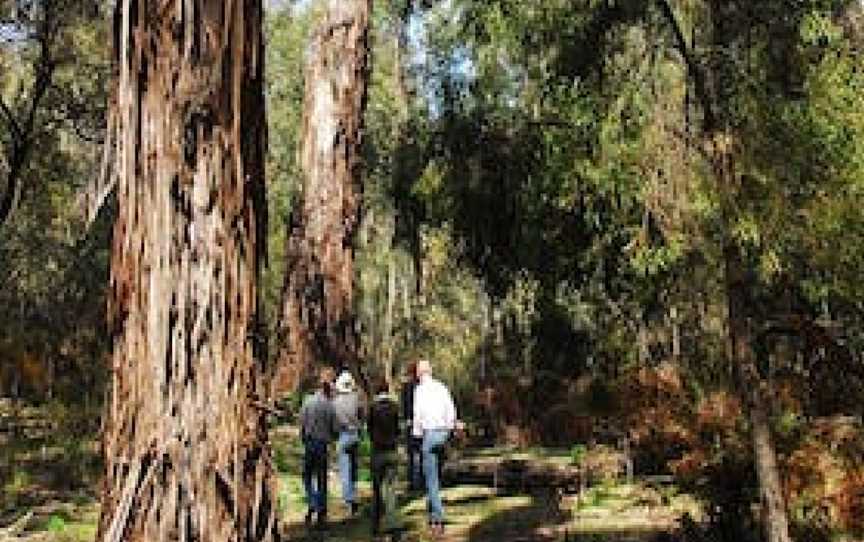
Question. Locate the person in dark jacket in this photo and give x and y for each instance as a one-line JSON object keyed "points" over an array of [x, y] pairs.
{"points": [[383, 428], [317, 429], [413, 444]]}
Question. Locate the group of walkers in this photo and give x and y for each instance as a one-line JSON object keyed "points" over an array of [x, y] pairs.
{"points": [[337, 412]]}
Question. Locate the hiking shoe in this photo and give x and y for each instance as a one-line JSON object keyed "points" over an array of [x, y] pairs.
{"points": [[309, 517], [436, 529]]}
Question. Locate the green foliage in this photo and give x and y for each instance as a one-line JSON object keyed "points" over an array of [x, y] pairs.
{"points": [[280, 459], [286, 32], [577, 453], [55, 524], [54, 273], [19, 481], [364, 447]]}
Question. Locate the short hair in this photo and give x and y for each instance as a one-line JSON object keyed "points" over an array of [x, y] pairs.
{"points": [[379, 385], [411, 369]]}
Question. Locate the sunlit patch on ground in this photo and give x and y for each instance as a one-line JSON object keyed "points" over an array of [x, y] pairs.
{"points": [[607, 512]]}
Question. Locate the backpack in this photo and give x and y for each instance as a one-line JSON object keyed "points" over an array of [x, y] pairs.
{"points": [[384, 423]]}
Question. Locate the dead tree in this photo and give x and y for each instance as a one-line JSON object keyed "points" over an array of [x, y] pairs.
{"points": [[185, 442]]}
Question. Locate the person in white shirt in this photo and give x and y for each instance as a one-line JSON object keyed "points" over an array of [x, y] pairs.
{"points": [[434, 418]]}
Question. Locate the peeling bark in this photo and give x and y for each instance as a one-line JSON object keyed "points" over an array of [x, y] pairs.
{"points": [[185, 444], [317, 316]]}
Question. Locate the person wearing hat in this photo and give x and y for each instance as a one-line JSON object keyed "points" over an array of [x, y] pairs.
{"points": [[349, 415], [317, 429]]}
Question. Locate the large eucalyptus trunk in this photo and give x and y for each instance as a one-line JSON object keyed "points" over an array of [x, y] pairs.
{"points": [[317, 315], [185, 441]]}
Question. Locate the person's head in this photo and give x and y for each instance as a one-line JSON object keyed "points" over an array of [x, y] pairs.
{"points": [[410, 371], [325, 380], [379, 386], [345, 382], [424, 368]]}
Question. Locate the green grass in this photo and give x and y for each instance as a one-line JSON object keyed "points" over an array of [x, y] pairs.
{"points": [[19, 481], [479, 514], [55, 523]]}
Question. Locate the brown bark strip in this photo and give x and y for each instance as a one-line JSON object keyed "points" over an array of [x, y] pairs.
{"points": [[188, 156], [317, 320]]}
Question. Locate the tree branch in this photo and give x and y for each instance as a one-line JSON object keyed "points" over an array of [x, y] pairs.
{"points": [[10, 119], [24, 140], [693, 66]]}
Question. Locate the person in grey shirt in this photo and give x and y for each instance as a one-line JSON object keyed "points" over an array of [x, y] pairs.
{"points": [[348, 410], [317, 429]]}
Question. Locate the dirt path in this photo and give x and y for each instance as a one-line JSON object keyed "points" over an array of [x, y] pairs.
{"points": [[607, 512], [610, 512]]}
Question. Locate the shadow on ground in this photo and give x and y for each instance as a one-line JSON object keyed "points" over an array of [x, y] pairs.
{"points": [[533, 521]]}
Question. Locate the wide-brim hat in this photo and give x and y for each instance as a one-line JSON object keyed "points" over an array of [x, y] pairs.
{"points": [[345, 382]]}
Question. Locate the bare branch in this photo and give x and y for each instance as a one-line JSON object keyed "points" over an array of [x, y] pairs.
{"points": [[92, 197], [10, 119], [23, 142], [693, 66]]}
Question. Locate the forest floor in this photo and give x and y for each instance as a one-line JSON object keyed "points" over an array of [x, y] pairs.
{"points": [[44, 497], [611, 511]]}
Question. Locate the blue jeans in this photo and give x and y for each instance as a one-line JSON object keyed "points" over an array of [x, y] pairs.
{"points": [[433, 442], [347, 450], [315, 474]]}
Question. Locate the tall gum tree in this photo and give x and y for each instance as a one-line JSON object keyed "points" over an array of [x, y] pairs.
{"points": [[185, 441], [712, 81], [317, 324]]}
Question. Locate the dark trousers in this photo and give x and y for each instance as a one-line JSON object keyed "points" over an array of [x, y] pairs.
{"points": [[315, 475], [384, 491], [413, 446]]}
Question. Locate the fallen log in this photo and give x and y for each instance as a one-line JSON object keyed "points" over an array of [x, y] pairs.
{"points": [[513, 474]]}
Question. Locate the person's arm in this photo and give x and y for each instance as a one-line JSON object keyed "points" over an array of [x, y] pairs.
{"points": [[362, 409], [395, 420], [406, 399], [450, 413], [417, 417], [407, 396], [333, 422], [370, 421], [304, 415]]}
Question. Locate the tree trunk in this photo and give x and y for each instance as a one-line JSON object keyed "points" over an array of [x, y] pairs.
{"points": [[185, 440], [710, 89], [676, 332], [388, 322], [775, 522], [739, 280], [317, 318]]}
